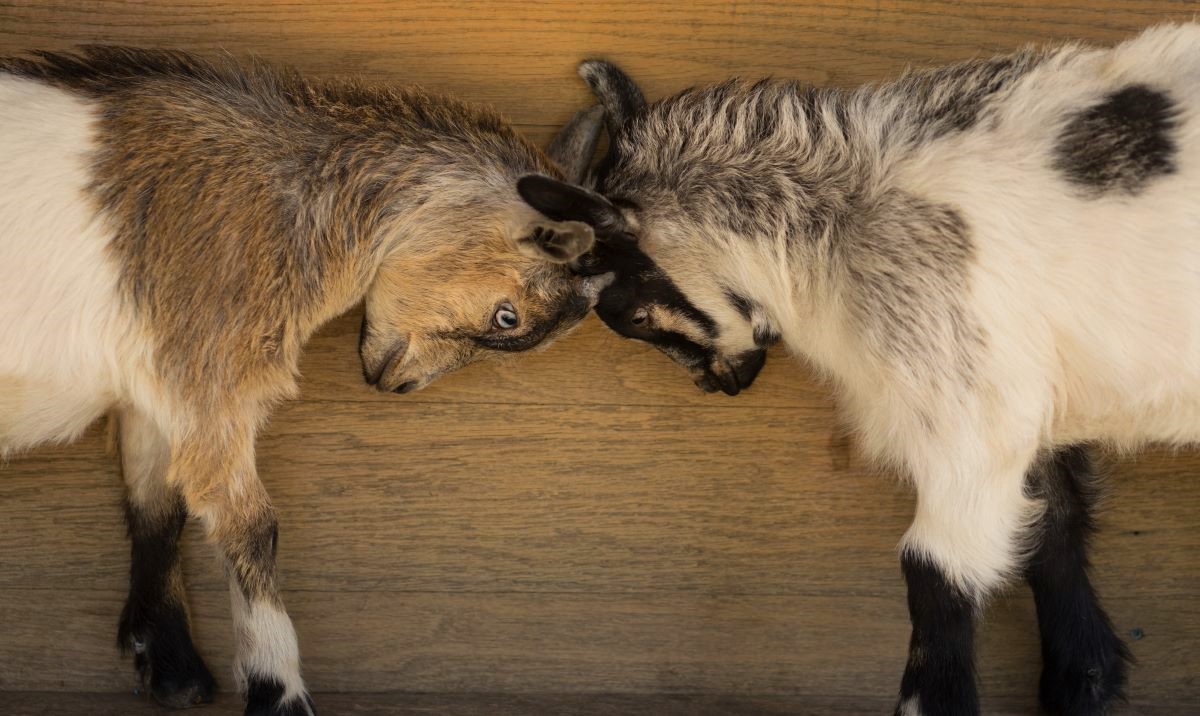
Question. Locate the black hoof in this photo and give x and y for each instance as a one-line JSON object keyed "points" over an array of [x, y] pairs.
{"points": [[182, 693], [1088, 682], [263, 698], [167, 662], [936, 705]]}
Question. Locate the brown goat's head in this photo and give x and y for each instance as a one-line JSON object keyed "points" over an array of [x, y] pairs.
{"points": [[483, 273]]}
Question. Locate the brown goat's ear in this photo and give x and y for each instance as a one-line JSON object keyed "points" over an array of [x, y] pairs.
{"points": [[556, 241], [575, 144], [566, 202]]}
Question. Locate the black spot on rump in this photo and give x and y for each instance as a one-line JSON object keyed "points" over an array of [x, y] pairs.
{"points": [[105, 68], [1119, 144]]}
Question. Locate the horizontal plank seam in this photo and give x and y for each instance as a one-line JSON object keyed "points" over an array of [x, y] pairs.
{"points": [[1184, 596], [806, 406]]}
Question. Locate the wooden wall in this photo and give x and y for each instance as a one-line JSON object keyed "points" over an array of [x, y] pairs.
{"points": [[582, 519]]}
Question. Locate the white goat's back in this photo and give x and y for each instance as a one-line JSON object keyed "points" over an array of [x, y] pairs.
{"points": [[1091, 301]]}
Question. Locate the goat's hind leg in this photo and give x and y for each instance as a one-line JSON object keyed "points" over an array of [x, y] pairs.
{"points": [[1083, 660], [154, 623]]}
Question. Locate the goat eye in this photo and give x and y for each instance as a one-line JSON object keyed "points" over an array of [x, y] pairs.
{"points": [[640, 316], [505, 317]]}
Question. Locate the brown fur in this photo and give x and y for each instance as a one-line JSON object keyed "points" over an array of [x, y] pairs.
{"points": [[248, 207], [252, 206]]}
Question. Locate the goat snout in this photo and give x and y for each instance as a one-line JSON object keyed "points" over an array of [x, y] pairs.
{"points": [[747, 366], [376, 373], [731, 375]]}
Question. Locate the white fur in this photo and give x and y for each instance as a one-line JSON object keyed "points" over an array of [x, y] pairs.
{"points": [[61, 320], [267, 645], [910, 706], [1089, 307]]}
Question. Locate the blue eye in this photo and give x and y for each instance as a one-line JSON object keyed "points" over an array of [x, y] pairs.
{"points": [[505, 317]]}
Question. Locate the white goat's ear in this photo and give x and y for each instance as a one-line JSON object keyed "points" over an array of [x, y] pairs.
{"points": [[620, 95], [556, 241], [575, 144]]}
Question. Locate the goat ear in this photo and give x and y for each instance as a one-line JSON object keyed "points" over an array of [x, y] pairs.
{"points": [[621, 98], [570, 203], [575, 144], [559, 242]]}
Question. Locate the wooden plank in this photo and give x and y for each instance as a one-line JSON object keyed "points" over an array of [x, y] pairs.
{"points": [[581, 519], [460, 497], [521, 58], [408, 704], [824, 647], [433, 497], [41, 703], [592, 366]]}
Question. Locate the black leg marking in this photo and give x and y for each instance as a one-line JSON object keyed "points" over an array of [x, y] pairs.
{"points": [[1083, 660], [263, 695], [253, 560], [154, 622], [940, 676]]}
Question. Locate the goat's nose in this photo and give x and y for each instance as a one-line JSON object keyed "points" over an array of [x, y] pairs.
{"points": [[725, 376], [747, 366], [729, 383], [405, 387]]}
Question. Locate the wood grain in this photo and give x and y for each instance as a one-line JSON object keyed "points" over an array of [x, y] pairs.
{"points": [[579, 520], [522, 58], [442, 496], [517, 643], [411, 704], [602, 369]]}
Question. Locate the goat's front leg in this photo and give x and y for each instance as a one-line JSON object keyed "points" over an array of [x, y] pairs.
{"points": [[154, 622], [1083, 660], [222, 487], [964, 541]]}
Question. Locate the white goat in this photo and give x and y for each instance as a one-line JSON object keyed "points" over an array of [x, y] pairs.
{"points": [[994, 262]]}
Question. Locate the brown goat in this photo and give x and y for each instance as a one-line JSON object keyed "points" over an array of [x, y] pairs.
{"points": [[172, 231]]}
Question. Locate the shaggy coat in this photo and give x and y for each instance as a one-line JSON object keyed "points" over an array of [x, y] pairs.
{"points": [[172, 231], [992, 262]]}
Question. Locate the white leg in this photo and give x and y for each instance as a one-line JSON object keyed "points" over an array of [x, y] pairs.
{"points": [[268, 656]]}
